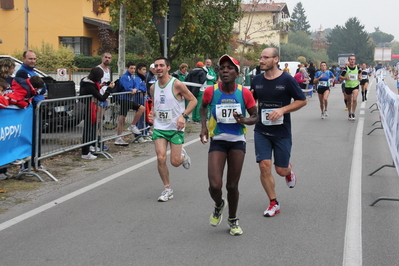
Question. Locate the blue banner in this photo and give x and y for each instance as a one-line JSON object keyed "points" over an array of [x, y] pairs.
{"points": [[16, 127]]}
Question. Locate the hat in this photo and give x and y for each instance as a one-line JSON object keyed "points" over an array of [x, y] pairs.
{"points": [[199, 64], [231, 59], [152, 65]]}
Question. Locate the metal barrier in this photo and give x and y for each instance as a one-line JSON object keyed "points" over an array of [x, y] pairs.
{"points": [[61, 125]]}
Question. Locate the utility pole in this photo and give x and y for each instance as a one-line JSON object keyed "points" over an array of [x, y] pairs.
{"points": [[26, 26], [122, 39]]}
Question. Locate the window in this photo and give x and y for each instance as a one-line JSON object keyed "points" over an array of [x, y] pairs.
{"points": [[81, 45], [7, 4]]}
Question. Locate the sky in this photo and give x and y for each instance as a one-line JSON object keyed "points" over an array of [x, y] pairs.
{"points": [[371, 14]]}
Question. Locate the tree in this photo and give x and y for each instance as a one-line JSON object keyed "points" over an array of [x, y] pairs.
{"points": [[204, 23], [299, 20], [350, 38], [380, 37], [300, 38]]}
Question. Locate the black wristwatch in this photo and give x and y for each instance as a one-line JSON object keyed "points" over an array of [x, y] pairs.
{"points": [[185, 116]]}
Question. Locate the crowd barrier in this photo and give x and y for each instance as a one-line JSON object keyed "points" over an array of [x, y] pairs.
{"points": [[59, 126], [388, 106]]}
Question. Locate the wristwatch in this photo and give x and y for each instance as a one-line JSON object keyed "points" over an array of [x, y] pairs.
{"points": [[185, 116]]}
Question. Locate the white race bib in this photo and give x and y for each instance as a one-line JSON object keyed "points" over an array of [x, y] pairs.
{"points": [[364, 76], [265, 118], [164, 116], [352, 77], [323, 83], [224, 113]]}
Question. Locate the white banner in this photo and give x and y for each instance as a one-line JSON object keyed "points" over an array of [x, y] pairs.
{"points": [[388, 105]]}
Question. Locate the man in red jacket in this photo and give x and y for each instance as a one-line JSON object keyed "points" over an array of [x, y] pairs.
{"points": [[24, 90]]}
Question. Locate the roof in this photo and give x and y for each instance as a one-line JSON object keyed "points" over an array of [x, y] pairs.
{"points": [[97, 22], [266, 7]]}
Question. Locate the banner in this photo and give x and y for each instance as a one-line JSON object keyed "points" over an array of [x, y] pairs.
{"points": [[16, 127], [388, 105]]}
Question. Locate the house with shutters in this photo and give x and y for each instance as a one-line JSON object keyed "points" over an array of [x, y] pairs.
{"points": [[75, 23], [262, 23]]}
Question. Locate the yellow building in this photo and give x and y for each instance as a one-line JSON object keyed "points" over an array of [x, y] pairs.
{"points": [[75, 23], [262, 23]]}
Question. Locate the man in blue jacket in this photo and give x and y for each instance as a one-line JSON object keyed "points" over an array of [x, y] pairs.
{"points": [[126, 102]]}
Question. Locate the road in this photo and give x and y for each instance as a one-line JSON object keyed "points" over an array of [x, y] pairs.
{"points": [[113, 217]]}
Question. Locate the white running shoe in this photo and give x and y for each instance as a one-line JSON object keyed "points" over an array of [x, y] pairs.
{"points": [[187, 160], [89, 156], [166, 195], [325, 113], [134, 129], [322, 116], [121, 142], [272, 210]]}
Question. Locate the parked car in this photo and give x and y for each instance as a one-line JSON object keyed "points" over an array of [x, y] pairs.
{"points": [[55, 115]]}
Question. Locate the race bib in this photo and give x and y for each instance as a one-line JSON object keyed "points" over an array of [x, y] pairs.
{"points": [[352, 77], [164, 116], [224, 113], [323, 83], [265, 118], [364, 76]]}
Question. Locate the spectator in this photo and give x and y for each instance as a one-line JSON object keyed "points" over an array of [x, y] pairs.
{"points": [[23, 90], [300, 77], [90, 85], [181, 73], [150, 79], [311, 71], [3, 99], [286, 69], [197, 75], [26, 71], [126, 103], [106, 60], [141, 97], [7, 67]]}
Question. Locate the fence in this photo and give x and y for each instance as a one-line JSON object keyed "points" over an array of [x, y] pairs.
{"points": [[64, 124]]}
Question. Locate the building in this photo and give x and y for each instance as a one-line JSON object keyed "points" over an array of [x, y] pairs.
{"points": [[75, 23], [262, 23]]}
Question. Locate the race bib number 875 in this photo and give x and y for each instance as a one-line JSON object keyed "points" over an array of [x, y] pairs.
{"points": [[224, 113]]}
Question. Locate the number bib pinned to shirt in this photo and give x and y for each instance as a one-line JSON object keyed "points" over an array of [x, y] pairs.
{"points": [[352, 77], [224, 113], [265, 118], [164, 116]]}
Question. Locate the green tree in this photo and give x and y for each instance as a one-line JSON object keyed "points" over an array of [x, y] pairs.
{"points": [[299, 20], [300, 38], [350, 38], [380, 37], [204, 23]]}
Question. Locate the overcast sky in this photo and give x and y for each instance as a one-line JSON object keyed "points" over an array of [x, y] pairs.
{"points": [[371, 14]]}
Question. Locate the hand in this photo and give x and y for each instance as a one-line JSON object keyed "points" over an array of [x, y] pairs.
{"points": [[239, 118], [181, 122], [151, 117]]}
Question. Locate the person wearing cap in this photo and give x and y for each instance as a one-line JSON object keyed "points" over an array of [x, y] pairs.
{"points": [[197, 75], [274, 91], [228, 103], [150, 78], [169, 114]]}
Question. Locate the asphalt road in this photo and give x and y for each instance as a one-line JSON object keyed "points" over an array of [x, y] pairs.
{"points": [[113, 217]]}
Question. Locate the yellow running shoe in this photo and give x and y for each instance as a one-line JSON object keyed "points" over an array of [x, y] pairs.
{"points": [[235, 229], [216, 216]]}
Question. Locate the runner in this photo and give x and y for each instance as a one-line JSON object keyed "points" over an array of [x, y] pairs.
{"points": [[169, 116], [364, 82], [228, 103], [274, 91], [351, 74], [323, 78]]}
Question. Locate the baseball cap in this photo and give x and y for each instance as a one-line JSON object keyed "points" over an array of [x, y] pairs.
{"points": [[200, 64], [152, 65], [231, 59]]}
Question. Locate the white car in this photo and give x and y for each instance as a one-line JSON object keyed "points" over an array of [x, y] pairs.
{"points": [[18, 64]]}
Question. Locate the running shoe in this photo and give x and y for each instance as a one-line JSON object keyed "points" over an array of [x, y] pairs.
{"points": [[105, 148], [3, 177], [147, 138], [325, 113], [350, 117], [322, 116], [272, 210], [140, 140], [89, 156], [216, 216], [290, 179], [235, 229], [187, 160], [166, 195], [134, 129], [353, 117], [121, 142]]}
